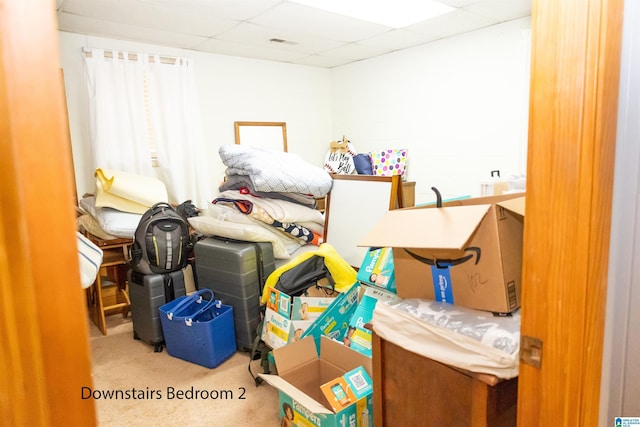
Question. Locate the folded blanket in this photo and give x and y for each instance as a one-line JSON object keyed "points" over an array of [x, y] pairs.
{"points": [[272, 171], [281, 210], [246, 207], [240, 182], [227, 222], [128, 192]]}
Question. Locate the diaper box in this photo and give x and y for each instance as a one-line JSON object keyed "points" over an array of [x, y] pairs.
{"points": [[332, 388], [377, 269]]}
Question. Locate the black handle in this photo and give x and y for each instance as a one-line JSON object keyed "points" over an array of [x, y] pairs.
{"points": [[438, 197]]}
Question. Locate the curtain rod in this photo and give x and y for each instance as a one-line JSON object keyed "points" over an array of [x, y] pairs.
{"points": [[132, 56]]}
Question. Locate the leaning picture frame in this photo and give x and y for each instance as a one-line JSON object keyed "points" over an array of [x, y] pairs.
{"points": [[267, 135], [355, 204]]}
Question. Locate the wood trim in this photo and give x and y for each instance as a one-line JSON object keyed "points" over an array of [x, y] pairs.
{"points": [[480, 393], [283, 125], [44, 334], [572, 125], [377, 356]]}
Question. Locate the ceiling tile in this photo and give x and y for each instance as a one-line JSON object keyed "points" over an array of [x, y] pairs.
{"points": [[397, 39], [501, 10], [258, 35], [306, 20], [97, 27], [322, 61], [151, 15], [230, 9], [355, 51], [456, 22], [244, 28], [224, 47], [461, 3]]}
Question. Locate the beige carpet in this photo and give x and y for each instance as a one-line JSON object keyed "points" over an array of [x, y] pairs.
{"points": [[122, 363]]}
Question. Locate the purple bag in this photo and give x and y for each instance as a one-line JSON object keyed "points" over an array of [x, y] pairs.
{"points": [[363, 164]]}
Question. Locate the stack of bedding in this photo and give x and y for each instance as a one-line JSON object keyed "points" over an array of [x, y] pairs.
{"points": [[267, 196], [107, 223], [119, 202]]}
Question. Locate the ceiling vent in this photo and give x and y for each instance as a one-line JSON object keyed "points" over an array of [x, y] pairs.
{"points": [[282, 41]]}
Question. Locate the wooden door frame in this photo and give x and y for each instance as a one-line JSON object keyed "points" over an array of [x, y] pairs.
{"points": [[575, 69], [572, 129], [44, 348]]}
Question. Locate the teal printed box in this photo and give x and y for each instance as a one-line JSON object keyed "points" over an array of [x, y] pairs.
{"points": [[377, 269], [334, 321]]}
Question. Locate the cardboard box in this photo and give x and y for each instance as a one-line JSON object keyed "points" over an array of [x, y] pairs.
{"points": [[334, 321], [302, 375], [358, 335], [309, 308], [279, 302], [276, 329], [468, 252], [376, 269]]}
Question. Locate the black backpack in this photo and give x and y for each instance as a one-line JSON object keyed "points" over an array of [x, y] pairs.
{"points": [[161, 241]]}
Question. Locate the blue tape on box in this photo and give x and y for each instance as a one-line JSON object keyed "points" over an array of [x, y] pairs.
{"points": [[442, 284]]}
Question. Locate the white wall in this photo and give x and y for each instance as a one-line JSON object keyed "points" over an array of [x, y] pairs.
{"points": [[230, 89], [620, 385], [460, 106]]}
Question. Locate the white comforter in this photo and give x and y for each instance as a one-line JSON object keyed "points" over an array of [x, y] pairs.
{"points": [[271, 172]]}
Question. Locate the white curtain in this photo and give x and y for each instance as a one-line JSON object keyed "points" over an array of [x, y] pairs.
{"points": [[126, 118], [177, 127], [117, 118]]}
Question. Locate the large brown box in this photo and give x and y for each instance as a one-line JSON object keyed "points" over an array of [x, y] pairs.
{"points": [[412, 390], [469, 254]]}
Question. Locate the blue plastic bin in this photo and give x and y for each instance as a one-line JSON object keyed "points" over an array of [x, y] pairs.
{"points": [[198, 330]]}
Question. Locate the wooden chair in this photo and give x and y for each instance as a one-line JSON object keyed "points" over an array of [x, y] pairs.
{"points": [[109, 294]]}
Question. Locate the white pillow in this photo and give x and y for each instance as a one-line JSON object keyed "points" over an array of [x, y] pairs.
{"points": [[210, 226], [92, 226], [112, 221]]}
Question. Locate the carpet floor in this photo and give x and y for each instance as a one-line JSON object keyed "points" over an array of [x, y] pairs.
{"points": [[134, 386]]}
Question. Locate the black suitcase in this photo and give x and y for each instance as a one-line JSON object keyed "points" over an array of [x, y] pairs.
{"points": [[147, 293], [236, 271]]}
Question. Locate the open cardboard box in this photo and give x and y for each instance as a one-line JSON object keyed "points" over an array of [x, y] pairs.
{"points": [[301, 375], [468, 252]]}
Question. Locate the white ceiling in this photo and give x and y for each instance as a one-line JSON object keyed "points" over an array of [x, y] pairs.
{"points": [[246, 27]]}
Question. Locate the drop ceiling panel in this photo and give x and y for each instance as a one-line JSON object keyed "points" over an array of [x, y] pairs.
{"points": [[501, 10], [322, 61], [457, 22], [306, 20], [149, 15], [244, 28], [258, 35], [225, 47], [228, 9], [97, 27], [356, 52], [398, 39]]}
